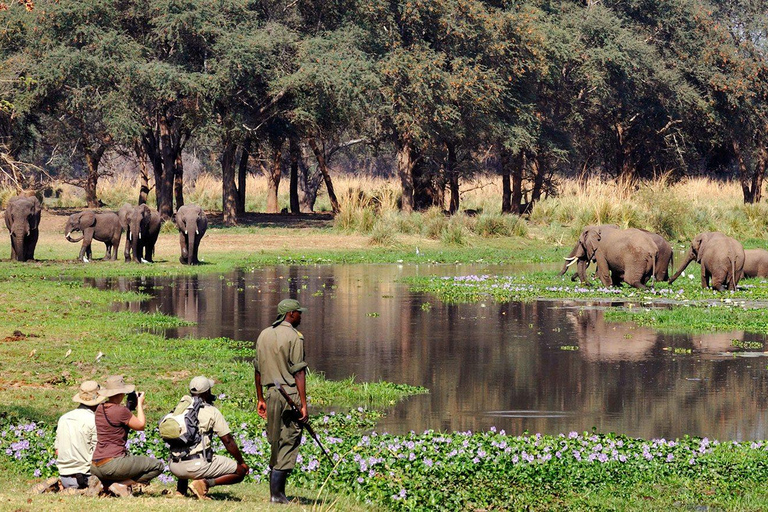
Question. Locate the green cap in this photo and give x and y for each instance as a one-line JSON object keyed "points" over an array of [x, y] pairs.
{"points": [[285, 307]]}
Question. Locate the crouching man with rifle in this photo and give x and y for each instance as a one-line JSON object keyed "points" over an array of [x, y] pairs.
{"points": [[280, 359]]}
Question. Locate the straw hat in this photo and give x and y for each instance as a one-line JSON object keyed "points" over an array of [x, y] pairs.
{"points": [[115, 385], [89, 393]]}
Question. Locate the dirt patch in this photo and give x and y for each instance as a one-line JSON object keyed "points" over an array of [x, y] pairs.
{"points": [[18, 336]]}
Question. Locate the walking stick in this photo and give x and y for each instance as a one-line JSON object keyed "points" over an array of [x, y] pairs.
{"points": [[305, 424]]}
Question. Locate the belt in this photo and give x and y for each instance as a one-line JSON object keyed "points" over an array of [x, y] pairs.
{"points": [[270, 386], [101, 462], [187, 457]]}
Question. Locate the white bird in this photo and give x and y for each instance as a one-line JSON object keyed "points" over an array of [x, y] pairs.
{"points": [[99, 356], [67, 354]]}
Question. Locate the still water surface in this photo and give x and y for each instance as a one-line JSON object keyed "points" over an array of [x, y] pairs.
{"points": [[544, 366]]}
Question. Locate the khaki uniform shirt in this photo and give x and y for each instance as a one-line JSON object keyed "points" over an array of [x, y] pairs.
{"points": [[279, 354], [75, 441], [211, 421]]}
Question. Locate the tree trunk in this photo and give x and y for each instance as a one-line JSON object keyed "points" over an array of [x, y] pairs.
{"points": [[141, 156], [453, 178], [151, 144], [92, 159], [295, 152], [274, 173], [178, 181], [322, 165], [625, 164], [506, 187], [518, 169], [242, 175], [229, 192], [405, 172], [538, 166], [164, 188]]}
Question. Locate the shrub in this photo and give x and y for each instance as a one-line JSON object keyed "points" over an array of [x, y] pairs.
{"points": [[492, 226]]}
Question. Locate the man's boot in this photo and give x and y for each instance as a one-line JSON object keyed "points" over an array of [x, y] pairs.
{"points": [[277, 486]]}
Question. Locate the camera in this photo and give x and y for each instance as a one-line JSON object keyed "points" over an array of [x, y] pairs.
{"points": [[132, 400]]}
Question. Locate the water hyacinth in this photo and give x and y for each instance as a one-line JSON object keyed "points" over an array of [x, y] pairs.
{"points": [[419, 471]]}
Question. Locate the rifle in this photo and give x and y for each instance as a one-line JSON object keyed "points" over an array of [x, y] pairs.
{"points": [[305, 424]]}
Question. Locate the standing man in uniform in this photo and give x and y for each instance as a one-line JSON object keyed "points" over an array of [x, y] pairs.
{"points": [[280, 358]]}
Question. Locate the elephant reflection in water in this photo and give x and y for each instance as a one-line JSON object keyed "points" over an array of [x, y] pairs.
{"points": [[604, 341], [186, 299]]}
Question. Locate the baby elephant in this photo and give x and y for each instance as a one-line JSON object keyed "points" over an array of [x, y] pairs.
{"points": [[755, 263], [104, 227], [192, 223]]}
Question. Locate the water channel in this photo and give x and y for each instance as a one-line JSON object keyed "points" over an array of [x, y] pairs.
{"points": [[543, 366]]}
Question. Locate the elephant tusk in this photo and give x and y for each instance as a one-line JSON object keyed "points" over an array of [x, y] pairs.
{"points": [[566, 258], [197, 232], [571, 262], [139, 235], [186, 232]]}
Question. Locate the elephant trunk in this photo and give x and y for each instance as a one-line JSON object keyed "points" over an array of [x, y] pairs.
{"points": [[74, 240], [576, 253], [683, 265], [191, 248], [17, 244]]}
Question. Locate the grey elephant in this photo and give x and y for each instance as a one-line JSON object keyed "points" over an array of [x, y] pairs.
{"points": [[22, 218], [578, 254], [104, 227], [755, 263], [143, 229], [666, 256], [721, 259], [627, 255], [192, 223]]}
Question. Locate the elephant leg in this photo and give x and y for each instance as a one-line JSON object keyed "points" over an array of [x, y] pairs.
{"points": [[13, 251], [704, 277], [108, 255], [604, 271], [183, 245], [197, 247], [30, 244]]}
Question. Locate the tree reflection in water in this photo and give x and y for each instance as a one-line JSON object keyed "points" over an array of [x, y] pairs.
{"points": [[543, 366]]}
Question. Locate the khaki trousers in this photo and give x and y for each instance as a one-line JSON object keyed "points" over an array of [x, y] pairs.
{"points": [[129, 467], [283, 431]]}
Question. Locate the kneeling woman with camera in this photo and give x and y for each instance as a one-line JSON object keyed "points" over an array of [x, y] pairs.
{"points": [[117, 469]]}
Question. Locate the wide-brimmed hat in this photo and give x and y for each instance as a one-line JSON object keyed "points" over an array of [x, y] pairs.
{"points": [[89, 393], [286, 306], [115, 385], [200, 384]]}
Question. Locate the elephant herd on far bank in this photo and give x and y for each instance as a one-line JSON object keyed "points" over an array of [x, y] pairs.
{"points": [[140, 223], [634, 256]]}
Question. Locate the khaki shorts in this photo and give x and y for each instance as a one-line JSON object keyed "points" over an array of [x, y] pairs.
{"points": [[197, 469]]}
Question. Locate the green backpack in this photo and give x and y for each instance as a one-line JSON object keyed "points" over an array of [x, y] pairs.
{"points": [[180, 428]]}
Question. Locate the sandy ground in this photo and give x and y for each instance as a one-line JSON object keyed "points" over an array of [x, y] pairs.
{"points": [[263, 232]]}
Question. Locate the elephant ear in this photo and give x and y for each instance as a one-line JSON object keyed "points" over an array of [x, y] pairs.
{"points": [[87, 219]]}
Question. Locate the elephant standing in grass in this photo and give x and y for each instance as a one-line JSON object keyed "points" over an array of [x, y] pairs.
{"points": [[578, 254], [22, 218], [143, 229], [755, 263], [627, 255], [192, 223], [666, 256], [104, 227], [721, 259]]}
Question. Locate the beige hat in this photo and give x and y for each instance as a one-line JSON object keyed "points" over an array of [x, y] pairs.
{"points": [[115, 385], [89, 393], [200, 384]]}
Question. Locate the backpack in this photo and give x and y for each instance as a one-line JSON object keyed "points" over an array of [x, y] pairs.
{"points": [[180, 428]]}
